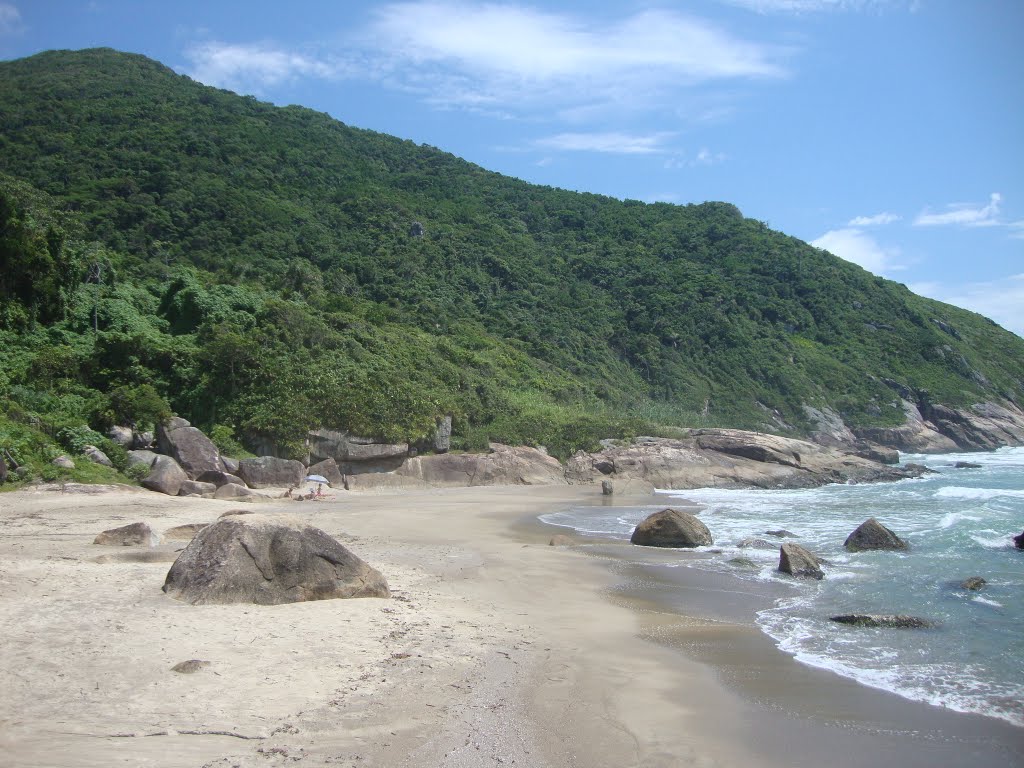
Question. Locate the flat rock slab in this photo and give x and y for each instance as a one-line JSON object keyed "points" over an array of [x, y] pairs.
{"points": [[268, 560], [191, 666], [131, 535], [184, 532]]}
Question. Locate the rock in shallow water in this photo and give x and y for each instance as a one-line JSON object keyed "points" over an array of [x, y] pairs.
{"points": [[893, 621], [871, 534], [671, 528]]}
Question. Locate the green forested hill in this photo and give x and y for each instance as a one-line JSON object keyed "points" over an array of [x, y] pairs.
{"points": [[264, 270]]}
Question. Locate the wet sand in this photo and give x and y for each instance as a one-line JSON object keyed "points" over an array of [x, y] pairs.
{"points": [[495, 649]]}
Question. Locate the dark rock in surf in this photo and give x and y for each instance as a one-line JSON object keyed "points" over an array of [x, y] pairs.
{"points": [[974, 583], [1019, 540], [889, 621], [967, 465], [871, 534], [671, 528], [800, 562]]}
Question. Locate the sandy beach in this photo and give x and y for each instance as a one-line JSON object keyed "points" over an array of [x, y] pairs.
{"points": [[494, 649]]}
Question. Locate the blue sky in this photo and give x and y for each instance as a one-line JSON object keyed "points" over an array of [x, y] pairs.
{"points": [[890, 132]]}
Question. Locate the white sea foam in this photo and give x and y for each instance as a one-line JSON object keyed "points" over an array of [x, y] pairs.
{"points": [[977, 494], [952, 518], [986, 601]]}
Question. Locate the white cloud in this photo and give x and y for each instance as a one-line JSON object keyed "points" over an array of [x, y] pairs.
{"points": [[1001, 300], [609, 142], [854, 245], [813, 6], [963, 214], [251, 68], [10, 19], [501, 53], [873, 221]]}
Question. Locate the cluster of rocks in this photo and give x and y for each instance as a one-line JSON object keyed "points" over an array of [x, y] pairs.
{"points": [[185, 462], [677, 528], [252, 558]]}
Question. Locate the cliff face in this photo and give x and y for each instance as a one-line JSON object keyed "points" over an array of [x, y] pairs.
{"points": [[929, 428]]}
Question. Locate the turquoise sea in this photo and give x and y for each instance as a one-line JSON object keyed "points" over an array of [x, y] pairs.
{"points": [[959, 523]]}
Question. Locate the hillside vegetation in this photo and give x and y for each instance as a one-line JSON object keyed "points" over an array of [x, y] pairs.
{"points": [[264, 270]]}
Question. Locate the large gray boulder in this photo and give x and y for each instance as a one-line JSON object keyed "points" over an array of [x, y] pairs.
{"points": [[141, 456], [800, 562], [328, 468], [271, 472], [671, 528], [96, 456], [123, 436], [268, 560], [194, 451], [871, 534], [348, 449], [165, 476]]}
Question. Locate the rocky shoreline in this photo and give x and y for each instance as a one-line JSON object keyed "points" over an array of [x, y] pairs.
{"points": [[186, 462]]}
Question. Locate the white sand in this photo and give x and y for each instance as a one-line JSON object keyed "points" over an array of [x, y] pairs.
{"points": [[495, 649]]}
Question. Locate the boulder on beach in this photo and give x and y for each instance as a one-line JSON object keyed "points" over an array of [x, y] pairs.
{"points": [[232, 492], [268, 560], [671, 528], [132, 535], [328, 468], [96, 456], [800, 562], [196, 488], [194, 451], [271, 472], [165, 476], [871, 534], [891, 621]]}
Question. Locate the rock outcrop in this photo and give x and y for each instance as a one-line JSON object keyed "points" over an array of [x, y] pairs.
{"points": [[218, 478], [727, 458], [187, 445], [354, 453], [800, 562], [268, 560], [915, 435], [131, 535], [671, 528], [871, 534], [502, 465], [233, 492], [271, 472]]}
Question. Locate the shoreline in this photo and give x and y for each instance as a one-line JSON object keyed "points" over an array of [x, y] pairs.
{"points": [[494, 648]]}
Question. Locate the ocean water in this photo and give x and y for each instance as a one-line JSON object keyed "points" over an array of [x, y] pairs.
{"points": [[959, 523]]}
